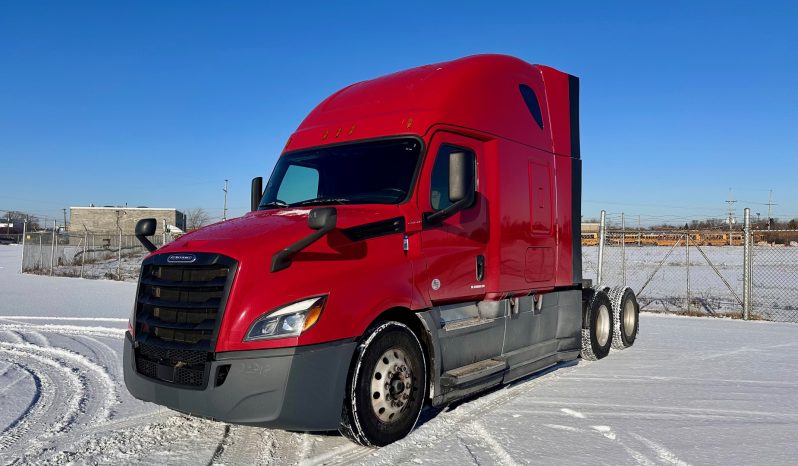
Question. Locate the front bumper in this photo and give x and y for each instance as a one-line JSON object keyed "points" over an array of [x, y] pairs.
{"points": [[298, 388]]}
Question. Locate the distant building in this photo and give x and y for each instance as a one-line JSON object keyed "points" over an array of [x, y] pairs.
{"points": [[590, 227], [109, 220]]}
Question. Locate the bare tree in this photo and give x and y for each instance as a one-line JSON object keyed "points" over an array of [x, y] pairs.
{"points": [[17, 218], [196, 218]]}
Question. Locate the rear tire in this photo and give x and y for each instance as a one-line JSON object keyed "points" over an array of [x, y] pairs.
{"points": [[386, 388], [626, 317], [598, 332]]}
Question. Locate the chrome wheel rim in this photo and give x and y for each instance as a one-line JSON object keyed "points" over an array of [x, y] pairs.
{"points": [[629, 318], [391, 384], [603, 325]]}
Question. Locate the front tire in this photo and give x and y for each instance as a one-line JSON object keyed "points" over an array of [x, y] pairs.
{"points": [[387, 386], [598, 331]]}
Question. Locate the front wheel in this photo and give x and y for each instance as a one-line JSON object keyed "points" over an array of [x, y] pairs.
{"points": [[387, 386]]}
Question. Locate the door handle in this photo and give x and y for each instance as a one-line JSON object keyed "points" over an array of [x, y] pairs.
{"points": [[480, 268]]}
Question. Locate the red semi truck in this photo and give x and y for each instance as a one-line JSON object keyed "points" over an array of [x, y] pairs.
{"points": [[417, 242]]}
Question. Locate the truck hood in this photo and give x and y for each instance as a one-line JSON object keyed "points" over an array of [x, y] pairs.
{"points": [[266, 232]]}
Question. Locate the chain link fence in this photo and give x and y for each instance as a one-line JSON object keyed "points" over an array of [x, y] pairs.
{"points": [[701, 272], [774, 274], [105, 255]]}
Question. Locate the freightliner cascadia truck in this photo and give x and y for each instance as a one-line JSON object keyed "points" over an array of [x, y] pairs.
{"points": [[418, 242]]}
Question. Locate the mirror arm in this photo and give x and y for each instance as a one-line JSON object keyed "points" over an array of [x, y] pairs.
{"points": [[146, 243], [433, 218], [282, 259]]}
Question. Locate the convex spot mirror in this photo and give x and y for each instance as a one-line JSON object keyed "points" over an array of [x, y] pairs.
{"points": [[146, 227]]}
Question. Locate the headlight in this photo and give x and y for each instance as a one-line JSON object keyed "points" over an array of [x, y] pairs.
{"points": [[287, 321]]}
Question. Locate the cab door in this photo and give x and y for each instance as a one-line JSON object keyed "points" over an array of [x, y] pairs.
{"points": [[454, 248]]}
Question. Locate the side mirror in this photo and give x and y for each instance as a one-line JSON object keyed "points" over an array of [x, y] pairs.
{"points": [[257, 193], [461, 188], [458, 176], [323, 218], [144, 228]]}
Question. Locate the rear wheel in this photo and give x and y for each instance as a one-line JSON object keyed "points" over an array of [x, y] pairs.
{"points": [[626, 313], [387, 386], [598, 331]]}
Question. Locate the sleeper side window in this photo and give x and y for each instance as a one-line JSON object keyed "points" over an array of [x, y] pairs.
{"points": [[439, 190], [531, 101]]}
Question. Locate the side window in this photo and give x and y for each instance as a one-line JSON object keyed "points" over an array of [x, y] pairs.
{"points": [[299, 184], [531, 101], [439, 190]]}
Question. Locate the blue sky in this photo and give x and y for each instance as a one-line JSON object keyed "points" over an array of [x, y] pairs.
{"points": [[156, 103]]}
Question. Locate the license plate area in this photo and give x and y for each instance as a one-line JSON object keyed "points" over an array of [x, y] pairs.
{"points": [[165, 373]]}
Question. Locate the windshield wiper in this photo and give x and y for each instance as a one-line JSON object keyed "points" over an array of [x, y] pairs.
{"points": [[272, 205], [321, 201]]}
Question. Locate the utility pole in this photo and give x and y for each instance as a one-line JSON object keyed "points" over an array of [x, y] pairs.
{"points": [[770, 204], [731, 218], [65, 224], [224, 215], [8, 223], [639, 230]]}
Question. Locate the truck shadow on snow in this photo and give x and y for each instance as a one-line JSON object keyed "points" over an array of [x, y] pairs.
{"points": [[493, 396]]}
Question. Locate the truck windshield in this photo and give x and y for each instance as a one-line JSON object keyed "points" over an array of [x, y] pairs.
{"points": [[376, 172]]}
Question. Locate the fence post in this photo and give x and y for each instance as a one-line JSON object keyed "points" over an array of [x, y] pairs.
{"points": [[24, 234], [83, 256], [747, 264], [52, 250], [602, 233], [119, 257], [623, 249], [41, 253], [687, 261]]}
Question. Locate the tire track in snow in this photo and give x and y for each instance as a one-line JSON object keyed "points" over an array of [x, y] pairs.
{"points": [[459, 415], [65, 329], [34, 338], [479, 432], [73, 319], [131, 443], [663, 453], [11, 337], [84, 367], [83, 388], [246, 445], [13, 431], [606, 432], [11, 385], [54, 410]]}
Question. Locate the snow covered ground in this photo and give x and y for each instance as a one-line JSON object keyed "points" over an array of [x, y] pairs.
{"points": [[691, 391]]}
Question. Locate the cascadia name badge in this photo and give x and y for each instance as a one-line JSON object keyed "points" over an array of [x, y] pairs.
{"points": [[181, 258]]}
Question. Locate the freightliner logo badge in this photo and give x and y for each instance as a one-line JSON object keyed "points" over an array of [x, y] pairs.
{"points": [[181, 258]]}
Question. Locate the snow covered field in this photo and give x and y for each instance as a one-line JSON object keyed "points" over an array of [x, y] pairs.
{"points": [[691, 391]]}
